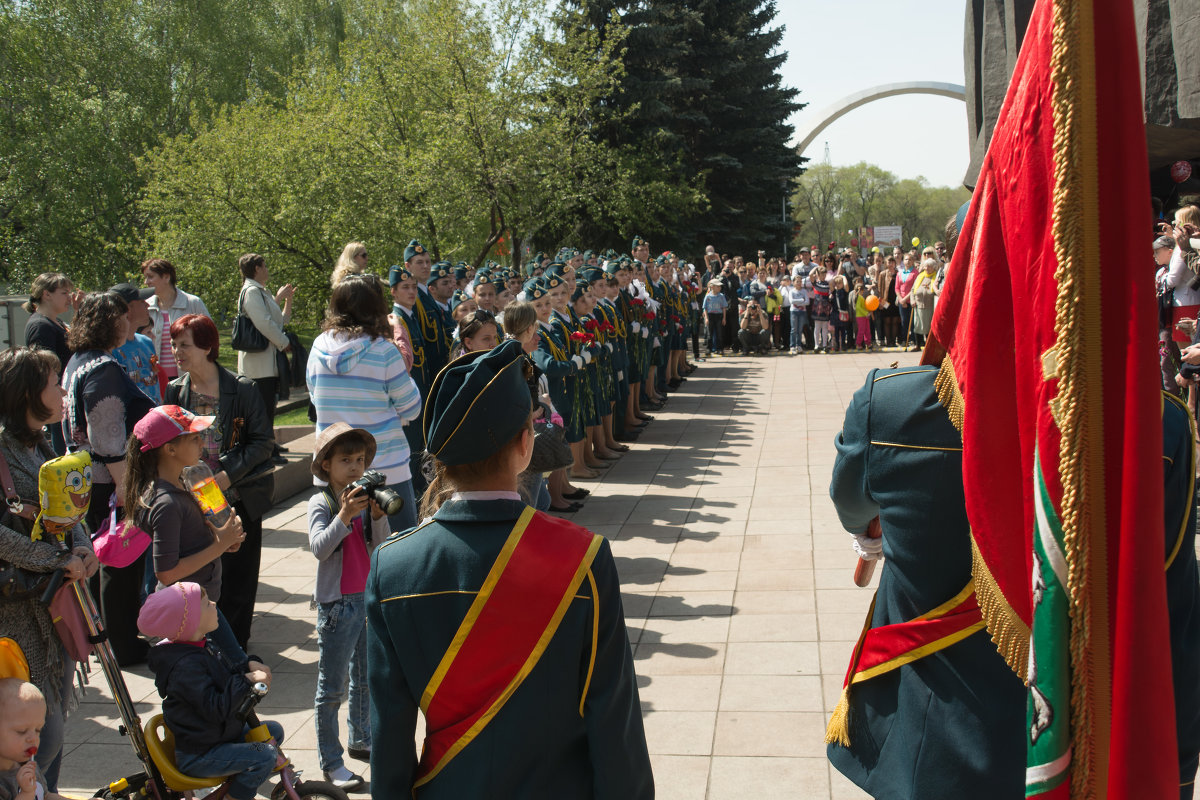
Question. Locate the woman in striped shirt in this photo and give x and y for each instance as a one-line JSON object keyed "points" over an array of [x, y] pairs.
{"points": [[357, 375]]}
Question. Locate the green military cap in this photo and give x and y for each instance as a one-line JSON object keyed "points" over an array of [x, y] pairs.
{"points": [[580, 289], [615, 265], [553, 281], [610, 253], [398, 273], [460, 273], [458, 297], [477, 404], [591, 275], [414, 248], [637, 242], [535, 288], [658, 262], [487, 279], [588, 254], [441, 269], [493, 264]]}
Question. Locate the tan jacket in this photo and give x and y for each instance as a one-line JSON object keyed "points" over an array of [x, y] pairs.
{"points": [[264, 312]]}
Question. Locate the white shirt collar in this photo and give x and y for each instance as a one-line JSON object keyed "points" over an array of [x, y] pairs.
{"points": [[485, 496]]}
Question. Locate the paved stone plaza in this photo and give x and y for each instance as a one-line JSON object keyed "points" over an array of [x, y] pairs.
{"points": [[737, 590]]}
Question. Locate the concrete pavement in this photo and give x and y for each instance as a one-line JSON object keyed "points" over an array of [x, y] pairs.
{"points": [[736, 579]]}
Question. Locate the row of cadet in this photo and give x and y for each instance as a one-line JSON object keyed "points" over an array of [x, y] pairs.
{"points": [[608, 340]]}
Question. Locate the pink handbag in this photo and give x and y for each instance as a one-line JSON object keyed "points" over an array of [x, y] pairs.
{"points": [[119, 544]]}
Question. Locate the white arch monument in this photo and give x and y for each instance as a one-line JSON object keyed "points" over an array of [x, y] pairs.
{"points": [[829, 115]]}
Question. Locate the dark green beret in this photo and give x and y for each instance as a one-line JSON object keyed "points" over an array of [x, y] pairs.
{"points": [[398, 273], [458, 297], [477, 404], [414, 248], [580, 289], [636, 243], [553, 281], [658, 262], [441, 269], [591, 275], [588, 255], [535, 288]]}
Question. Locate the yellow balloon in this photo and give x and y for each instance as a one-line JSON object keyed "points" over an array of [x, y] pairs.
{"points": [[874, 249], [916, 242]]}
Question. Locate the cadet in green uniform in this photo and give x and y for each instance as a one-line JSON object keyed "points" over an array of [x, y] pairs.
{"points": [[501, 624], [404, 299], [1183, 581], [435, 330], [950, 724]]}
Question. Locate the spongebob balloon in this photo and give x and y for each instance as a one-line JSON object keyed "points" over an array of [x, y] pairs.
{"points": [[65, 489]]}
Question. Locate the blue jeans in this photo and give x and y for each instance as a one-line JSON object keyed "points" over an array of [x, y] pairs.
{"points": [[250, 763], [406, 517], [799, 320], [342, 653]]}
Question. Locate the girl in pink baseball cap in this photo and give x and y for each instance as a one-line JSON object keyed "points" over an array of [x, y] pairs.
{"points": [[186, 546]]}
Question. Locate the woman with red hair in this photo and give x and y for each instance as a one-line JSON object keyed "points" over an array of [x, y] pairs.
{"points": [[237, 447]]}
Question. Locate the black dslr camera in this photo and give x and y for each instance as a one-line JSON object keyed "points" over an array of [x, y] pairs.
{"points": [[375, 485]]}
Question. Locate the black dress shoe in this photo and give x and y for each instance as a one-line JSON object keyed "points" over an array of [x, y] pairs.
{"points": [[578, 494], [359, 753]]}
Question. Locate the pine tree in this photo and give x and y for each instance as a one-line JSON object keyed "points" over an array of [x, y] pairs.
{"points": [[701, 105]]}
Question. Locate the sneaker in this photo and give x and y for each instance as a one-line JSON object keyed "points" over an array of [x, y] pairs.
{"points": [[351, 784]]}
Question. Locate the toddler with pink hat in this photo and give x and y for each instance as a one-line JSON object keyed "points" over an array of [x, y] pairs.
{"points": [[202, 687]]}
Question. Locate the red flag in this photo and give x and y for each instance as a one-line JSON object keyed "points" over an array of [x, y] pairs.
{"points": [[1051, 373]]}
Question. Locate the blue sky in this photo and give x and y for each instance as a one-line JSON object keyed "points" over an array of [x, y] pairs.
{"points": [[839, 48]]}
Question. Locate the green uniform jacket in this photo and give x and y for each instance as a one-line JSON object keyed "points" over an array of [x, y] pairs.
{"points": [[540, 744], [437, 331], [952, 724], [1183, 580]]}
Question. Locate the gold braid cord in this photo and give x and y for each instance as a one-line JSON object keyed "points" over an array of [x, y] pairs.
{"points": [[1080, 387], [1009, 632]]}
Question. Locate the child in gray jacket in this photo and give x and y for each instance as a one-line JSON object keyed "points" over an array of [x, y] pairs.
{"points": [[344, 526]]}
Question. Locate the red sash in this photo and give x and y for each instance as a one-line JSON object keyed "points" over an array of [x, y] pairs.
{"points": [[514, 616], [889, 647]]}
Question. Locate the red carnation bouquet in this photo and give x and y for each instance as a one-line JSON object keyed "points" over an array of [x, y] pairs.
{"points": [[586, 338], [592, 325]]}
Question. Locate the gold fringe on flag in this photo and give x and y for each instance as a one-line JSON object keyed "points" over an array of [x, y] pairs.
{"points": [[1075, 221]]}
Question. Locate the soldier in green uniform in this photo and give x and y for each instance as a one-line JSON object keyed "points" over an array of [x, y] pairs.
{"points": [[501, 624], [433, 326], [951, 723], [1183, 581], [403, 318]]}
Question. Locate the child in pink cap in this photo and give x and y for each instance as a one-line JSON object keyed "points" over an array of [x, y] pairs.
{"points": [[186, 546], [202, 687]]}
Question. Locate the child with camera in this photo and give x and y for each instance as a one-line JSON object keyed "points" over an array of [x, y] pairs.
{"points": [[344, 524]]}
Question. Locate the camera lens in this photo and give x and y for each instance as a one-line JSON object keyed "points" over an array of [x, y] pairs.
{"points": [[387, 499]]}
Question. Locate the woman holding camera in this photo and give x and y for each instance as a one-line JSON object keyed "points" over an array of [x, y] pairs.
{"points": [[237, 447], [357, 375]]}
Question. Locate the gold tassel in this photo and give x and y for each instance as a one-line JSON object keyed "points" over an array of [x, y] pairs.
{"points": [[950, 396], [838, 731]]}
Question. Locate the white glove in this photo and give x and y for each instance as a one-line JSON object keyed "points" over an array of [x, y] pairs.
{"points": [[620, 375], [587, 357], [579, 362], [868, 549], [657, 342], [645, 333], [637, 327], [609, 345]]}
